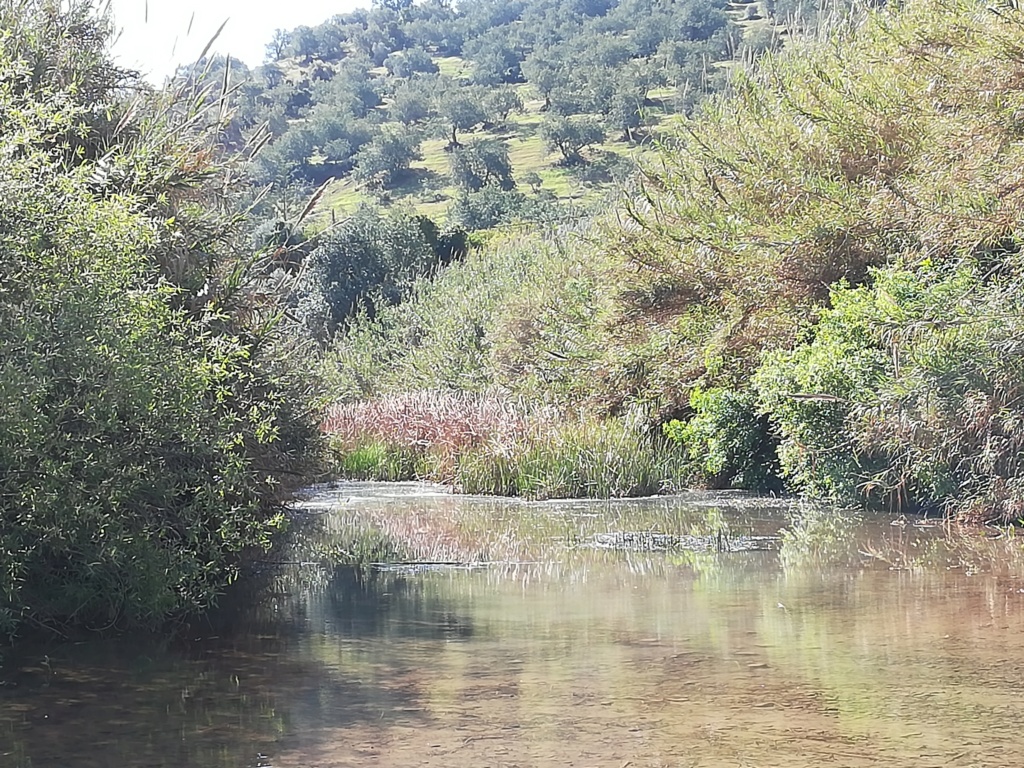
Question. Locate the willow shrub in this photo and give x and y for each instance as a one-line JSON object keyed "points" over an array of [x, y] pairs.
{"points": [[895, 135], [151, 420]]}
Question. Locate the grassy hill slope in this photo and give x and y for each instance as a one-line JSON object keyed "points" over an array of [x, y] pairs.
{"points": [[430, 191]]}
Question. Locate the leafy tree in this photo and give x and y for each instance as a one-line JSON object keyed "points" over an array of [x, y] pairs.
{"points": [[270, 74], [460, 109], [370, 260], [604, 51], [478, 16], [408, 62], [481, 162], [410, 103], [500, 102], [312, 151], [304, 43], [287, 159], [495, 60], [487, 207], [381, 162], [439, 33], [626, 112], [151, 416], [353, 88], [544, 73], [570, 136], [381, 36], [279, 42], [329, 42]]}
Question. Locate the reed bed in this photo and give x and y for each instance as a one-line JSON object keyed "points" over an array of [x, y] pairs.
{"points": [[454, 420], [485, 445]]}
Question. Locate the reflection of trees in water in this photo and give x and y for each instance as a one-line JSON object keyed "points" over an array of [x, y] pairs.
{"points": [[216, 703], [385, 605], [511, 532], [310, 647], [820, 537], [257, 680]]}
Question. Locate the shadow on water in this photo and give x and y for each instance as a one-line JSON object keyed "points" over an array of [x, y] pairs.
{"points": [[269, 671]]}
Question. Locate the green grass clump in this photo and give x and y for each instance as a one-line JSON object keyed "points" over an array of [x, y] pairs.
{"points": [[585, 459], [376, 460]]}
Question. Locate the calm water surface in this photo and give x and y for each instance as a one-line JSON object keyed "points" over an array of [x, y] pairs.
{"points": [[699, 630]]}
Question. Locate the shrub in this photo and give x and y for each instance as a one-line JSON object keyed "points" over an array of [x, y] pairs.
{"points": [[488, 207], [152, 416], [370, 261], [728, 441], [905, 394]]}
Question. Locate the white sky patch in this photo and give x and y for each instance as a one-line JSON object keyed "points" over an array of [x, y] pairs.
{"points": [[157, 35]]}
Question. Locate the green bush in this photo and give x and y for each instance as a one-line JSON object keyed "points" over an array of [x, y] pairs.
{"points": [[152, 415], [728, 442], [905, 395], [368, 262]]}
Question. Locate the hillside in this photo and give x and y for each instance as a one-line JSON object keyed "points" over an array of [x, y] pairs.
{"points": [[481, 113]]}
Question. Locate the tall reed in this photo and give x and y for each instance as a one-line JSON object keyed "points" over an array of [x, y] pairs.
{"points": [[482, 444]]}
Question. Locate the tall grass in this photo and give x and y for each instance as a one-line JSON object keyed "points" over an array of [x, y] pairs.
{"points": [[483, 444]]}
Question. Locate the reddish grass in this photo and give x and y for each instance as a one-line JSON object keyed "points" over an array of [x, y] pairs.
{"points": [[451, 422]]}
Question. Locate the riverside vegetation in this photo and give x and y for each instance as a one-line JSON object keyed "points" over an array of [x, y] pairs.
{"points": [[155, 403], [815, 286], [812, 285]]}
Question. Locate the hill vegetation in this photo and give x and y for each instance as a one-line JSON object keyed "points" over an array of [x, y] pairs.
{"points": [[459, 119], [484, 111]]}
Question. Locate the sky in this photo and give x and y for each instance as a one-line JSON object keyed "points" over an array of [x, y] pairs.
{"points": [[155, 34]]}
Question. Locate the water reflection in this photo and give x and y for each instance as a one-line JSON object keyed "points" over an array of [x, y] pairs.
{"points": [[852, 641]]}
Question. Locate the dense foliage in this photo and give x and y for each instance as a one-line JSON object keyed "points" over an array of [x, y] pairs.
{"points": [[152, 412], [821, 268], [369, 262]]}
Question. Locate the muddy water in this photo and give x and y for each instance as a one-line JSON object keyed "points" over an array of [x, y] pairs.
{"points": [[693, 631]]}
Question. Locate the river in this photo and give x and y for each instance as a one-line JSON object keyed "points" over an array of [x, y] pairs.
{"points": [[697, 630]]}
